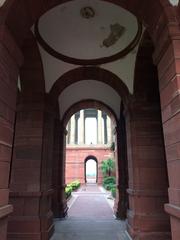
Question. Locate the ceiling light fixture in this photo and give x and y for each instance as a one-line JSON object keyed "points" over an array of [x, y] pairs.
{"points": [[87, 12]]}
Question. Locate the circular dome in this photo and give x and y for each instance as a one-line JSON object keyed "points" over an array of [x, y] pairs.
{"points": [[87, 32]]}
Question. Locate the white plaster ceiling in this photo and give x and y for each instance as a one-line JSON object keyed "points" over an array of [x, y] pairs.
{"points": [[123, 68], [83, 90], [174, 2], [67, 32], [53, 68], [2, 2]]}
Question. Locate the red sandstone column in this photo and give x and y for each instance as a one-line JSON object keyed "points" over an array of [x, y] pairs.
{"points": [[10, 62], [147, 173], [59, 201], [169, 84], [62, 200], [31, 179], [121, 201]]}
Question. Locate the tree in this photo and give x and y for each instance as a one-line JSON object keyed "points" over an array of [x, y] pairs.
{"points": [[108, 167]]}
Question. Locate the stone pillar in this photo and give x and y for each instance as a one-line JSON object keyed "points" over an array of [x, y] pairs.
{"points": [[105, 130], [99, 127], [109, 130], [81, 128], [169, 84], [76, 129], [59, 201], [62, 199], [31, 174], [147, 173], [121, 201], [72, 130], [10, 61], [68, 128]]}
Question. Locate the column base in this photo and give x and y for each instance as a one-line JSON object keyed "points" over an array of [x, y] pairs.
{"points": [[148, 227], [133, 235], [174, 212], [59, 203], [34, 228], [4, 213], [32, 219], [120, 206], [61, 211]]}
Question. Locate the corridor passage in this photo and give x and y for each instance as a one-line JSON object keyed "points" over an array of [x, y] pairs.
{"points": [[90, 217]]}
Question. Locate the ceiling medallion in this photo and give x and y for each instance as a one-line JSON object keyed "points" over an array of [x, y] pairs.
{"points": [[87, 12]]}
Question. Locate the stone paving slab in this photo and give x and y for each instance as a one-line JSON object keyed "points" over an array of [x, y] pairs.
{"points": [[94, 206], [90, 217], [90, 188], [90, 230]]}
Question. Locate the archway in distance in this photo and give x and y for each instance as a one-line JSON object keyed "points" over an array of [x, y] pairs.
{"points": [[91, 169]]}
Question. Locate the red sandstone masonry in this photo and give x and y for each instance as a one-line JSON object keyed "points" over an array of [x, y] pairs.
{"points": [[170, 103], [10, 60], [30, 179], [22, 15], [75, 160], [59, 204], [146, 217]]}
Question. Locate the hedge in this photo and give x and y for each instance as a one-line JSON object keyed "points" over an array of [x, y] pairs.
{"points": [[71, 187], [68, 191], [75, 185], [113, 192], [109, 182]]}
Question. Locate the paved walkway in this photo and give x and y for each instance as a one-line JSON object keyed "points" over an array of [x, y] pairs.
{"points": [[90, 217]]}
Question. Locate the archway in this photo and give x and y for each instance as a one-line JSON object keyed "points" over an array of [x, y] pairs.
{"points": [[91, 169], [146, 151], [93, 138], [164, 21]]}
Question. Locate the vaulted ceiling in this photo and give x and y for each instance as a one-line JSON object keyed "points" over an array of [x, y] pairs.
{"points": [[88, 33]]}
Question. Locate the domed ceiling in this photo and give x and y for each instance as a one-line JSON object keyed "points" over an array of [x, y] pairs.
{"points": [[88, 33]]}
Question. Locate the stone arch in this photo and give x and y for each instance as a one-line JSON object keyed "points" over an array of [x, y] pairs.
{"points": [[120, 207], [88, 103], [89, 73], [18, 16]]}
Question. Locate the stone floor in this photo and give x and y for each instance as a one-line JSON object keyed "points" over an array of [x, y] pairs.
{"points": [[90, 217]]}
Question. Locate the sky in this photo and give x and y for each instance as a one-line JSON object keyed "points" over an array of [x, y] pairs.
{"points": [[91, 168]]}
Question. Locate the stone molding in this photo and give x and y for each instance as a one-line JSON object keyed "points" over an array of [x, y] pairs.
{"points": [[172, 210], [147, 193], [5, 210], [32, 194]]}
